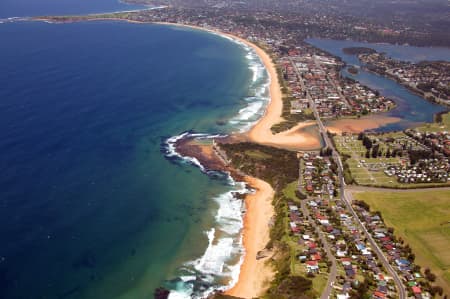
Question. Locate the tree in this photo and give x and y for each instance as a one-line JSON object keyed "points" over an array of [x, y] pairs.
{"points": [[361, 136], [329, 152], [375, 150], [437, 290], [431, 277], [367, 142]]}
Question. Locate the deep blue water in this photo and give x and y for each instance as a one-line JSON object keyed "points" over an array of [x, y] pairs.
{"points": [[28, 8], [89, 205], [411, 108]]}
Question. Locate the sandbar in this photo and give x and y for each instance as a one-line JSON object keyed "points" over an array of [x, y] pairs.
{"points": [[356, 125]]}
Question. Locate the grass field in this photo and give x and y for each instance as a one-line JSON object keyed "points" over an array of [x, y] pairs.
{"points": [[436, 127], [363, 173], [289, 192], [371, 171], [422, 219]]}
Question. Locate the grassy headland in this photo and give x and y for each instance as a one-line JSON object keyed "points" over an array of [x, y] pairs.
{"points": [[279, 168]]}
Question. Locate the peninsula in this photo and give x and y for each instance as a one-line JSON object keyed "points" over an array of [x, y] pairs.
{"points": [[306, 235]]}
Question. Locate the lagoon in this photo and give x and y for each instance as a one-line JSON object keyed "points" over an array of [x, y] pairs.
{"points": [[411, 108]]}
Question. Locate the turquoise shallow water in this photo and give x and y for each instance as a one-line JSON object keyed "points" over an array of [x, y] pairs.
{"points": [[93, 202], [90, 207]]}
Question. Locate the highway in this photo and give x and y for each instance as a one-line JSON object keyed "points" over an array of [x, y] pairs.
{"points": [[347, 198]]}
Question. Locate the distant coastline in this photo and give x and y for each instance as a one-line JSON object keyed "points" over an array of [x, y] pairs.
{"points": [[253, 273]]}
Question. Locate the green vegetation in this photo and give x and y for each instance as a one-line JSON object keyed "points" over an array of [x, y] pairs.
{"points": [[442, 123], [292, 287], [363, 167], [256, 154], [290, 192], [276, 166], [279, 168], [421, 219], [290, 120]]}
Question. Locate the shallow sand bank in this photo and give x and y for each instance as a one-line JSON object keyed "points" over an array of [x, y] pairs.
{"points": [[360, 124]]}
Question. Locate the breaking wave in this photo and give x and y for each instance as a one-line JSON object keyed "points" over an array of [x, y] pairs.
{"points": [[258, 99], [256, 102], [218, 268]]}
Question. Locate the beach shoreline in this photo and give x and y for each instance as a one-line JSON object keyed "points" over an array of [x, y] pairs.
{"points": [[255, 273], [260, 132], [259, 210]]}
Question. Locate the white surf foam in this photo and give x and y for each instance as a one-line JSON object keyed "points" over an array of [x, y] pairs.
{"points": [[224, 254], [259, 86], [259, 91], [229, 215], [171, 152]]}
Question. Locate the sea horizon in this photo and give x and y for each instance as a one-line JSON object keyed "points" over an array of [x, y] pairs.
{"points": [[214, 221], [243, 104]]}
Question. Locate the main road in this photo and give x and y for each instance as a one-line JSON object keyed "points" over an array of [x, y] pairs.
{"points": [[347, 198]]}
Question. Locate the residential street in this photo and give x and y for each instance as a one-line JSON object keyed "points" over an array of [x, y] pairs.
{"points": [[347, 198]]}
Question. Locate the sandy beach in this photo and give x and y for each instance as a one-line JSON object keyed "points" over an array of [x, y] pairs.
{"points": [[255, 274], [294, 138], [358, 125]]}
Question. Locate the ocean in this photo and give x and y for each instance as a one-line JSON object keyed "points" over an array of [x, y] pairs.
{"points": [[28, 8], [94, 202]]}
